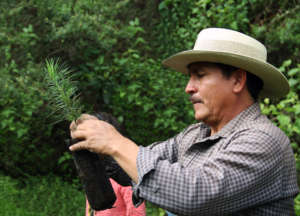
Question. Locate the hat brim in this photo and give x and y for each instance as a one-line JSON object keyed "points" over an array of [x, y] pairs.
{"points": [[275, 83]]}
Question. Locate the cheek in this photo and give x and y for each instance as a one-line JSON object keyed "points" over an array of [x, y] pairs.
{"points": [[208, 92], [214, 96]]}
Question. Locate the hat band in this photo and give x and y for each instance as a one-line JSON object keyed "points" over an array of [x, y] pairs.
{"points": [[232, 47]]}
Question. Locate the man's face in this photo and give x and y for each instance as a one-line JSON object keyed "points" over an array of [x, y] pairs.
{"points": [[210, 92]]}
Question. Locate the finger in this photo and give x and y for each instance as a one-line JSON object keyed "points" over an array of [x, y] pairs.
{"points": [[73, 126], [88, 124], [78, 146], [84, 117], [71, 134], [78, 134]]}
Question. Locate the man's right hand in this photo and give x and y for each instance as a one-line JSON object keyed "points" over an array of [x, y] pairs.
{"points": [[102, 138]]}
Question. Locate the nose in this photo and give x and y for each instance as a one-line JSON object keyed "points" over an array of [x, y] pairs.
{"points": [[190, 87]]}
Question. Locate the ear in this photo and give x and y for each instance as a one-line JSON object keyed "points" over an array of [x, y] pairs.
{"points": [[239, 77]]}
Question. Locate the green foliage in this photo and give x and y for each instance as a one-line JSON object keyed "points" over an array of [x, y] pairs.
{"points": [[182, 21], [276, 24], [286, 113], [24, 130], [152, 210], [40, 196], [145, 91], [297, 205], [46, 196]]}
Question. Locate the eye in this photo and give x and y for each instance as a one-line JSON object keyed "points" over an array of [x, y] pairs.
{"points": [[200, 75]]}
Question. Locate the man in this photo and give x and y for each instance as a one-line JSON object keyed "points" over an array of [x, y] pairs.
{"points": [[234, 161]]}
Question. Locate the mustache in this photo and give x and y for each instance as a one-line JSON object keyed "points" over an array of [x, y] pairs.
{"points": [[195, 100]]}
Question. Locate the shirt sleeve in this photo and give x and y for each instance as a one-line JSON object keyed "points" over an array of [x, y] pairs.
{"points": [[131, 210], [245, 173], [166, 150], [87, 207]]}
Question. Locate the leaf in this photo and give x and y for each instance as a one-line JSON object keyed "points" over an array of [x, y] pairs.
{"points": [[297, 109], [162, 6], [122, 94], [7, 112], [293, 82], [21, 132], [148, 106], [293, 71], [65, 157], [287, 63], [283, 120], [297, 126]]}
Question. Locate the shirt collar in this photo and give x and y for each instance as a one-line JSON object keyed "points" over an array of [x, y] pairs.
{"points": [[249, 114]]}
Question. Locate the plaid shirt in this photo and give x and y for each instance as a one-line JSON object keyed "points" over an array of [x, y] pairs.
{"points": [[247, 168]]}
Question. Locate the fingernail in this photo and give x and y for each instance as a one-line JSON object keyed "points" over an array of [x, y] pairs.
{"points": [[71, 148]]}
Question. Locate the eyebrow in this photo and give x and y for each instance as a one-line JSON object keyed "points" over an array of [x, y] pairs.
{"points": [[198, 70]]}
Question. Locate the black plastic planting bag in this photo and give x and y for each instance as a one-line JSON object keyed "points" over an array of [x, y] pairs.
{"points": [[94, 172], [91, 171], [112, 168]]}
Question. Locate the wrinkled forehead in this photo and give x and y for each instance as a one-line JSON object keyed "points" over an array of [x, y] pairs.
{"points": [[211, 66], [201, 66]]}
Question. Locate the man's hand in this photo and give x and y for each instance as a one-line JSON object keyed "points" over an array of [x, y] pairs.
{"points": [[102, 138], [83, 117], [96, 135]]}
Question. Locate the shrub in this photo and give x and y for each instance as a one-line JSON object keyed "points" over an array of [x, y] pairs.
{"points": [[40, 196]]}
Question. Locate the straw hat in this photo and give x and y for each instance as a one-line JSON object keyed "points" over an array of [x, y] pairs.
{"points": [[233, 48]]}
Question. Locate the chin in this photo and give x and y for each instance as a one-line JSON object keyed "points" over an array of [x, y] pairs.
{"points": [[199, 118], [201, 115]]}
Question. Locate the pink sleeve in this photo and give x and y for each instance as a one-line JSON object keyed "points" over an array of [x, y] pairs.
{"points": [[87, 206], [123, 205], [130, 209]]}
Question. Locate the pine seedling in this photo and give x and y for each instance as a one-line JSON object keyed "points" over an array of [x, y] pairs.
{"points": [[64, 99], [66, 103]]}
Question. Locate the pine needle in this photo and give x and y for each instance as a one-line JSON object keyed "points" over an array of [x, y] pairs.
{"points": [[64, 99]]}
